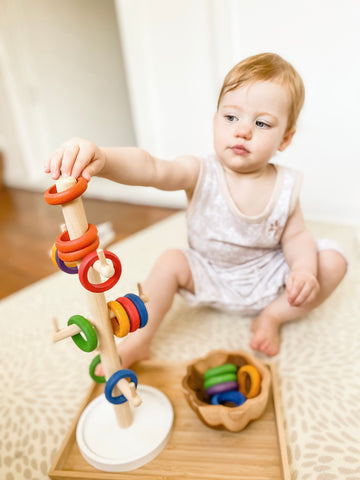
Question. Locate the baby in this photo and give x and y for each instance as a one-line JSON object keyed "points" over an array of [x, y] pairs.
{"points": [[249, 249]]}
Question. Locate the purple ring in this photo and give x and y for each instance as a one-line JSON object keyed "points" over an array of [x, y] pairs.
{"points": [[222, 387], [63, 267]]}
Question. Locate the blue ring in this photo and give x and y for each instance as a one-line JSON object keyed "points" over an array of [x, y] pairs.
{"points": [[141, 308], [113, 380], [232, 397], [63, 267]]}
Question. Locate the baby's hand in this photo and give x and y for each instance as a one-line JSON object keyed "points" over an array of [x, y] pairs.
{"points": [[302, 287], [77, 157]]}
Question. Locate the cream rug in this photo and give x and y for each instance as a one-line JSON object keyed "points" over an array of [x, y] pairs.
{"points": [[42, 384]]}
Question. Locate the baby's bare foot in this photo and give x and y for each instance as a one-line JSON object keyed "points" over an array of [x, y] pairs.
{"points": [[266, 336]]}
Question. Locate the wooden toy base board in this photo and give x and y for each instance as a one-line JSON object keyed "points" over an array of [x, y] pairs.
{"points": [[194, 450]]}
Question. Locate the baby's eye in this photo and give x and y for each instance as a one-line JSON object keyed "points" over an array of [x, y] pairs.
{"points": [[231, 118], [261, 124]]}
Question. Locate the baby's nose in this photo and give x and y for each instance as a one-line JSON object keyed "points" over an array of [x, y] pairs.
{"points": [[243, 130]]}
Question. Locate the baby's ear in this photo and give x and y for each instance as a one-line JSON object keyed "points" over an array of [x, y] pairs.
{"points": [[285, 142]]}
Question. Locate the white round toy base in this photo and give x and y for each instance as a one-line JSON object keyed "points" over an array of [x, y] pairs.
{"points": [[108, 447]]}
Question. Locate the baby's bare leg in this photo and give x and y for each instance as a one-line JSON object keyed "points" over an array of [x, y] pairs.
{"points": [[266, 327], [170, 272]]}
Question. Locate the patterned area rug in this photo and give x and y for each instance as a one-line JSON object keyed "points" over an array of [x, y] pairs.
{"points": [[43, 384]]}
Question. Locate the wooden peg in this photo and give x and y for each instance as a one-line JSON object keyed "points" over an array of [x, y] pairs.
{"points": [[142, 295], [66, 332], [103, 266], [129, 391]]}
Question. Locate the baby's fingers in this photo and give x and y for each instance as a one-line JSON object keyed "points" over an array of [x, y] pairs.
{"points": [[84, 158], [69, 158], [53, 163], [307, 295]]}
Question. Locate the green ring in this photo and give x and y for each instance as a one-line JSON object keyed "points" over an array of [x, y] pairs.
{"points": [[227, 377], [90, 343], [221, 369], [95, 362]]}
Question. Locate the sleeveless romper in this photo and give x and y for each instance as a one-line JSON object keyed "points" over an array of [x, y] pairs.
{"points": [[236, 260]]}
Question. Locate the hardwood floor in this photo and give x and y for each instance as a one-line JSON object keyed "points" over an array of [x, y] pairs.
{"points": [[29, 226]]}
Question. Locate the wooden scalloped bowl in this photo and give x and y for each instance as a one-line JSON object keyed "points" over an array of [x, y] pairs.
{"points": [[233, 419]]}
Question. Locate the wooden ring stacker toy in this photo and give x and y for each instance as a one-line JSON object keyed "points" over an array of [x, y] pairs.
{"points": [[113, 380], [112, 453], [235, 397], [121, 322], [88, 262], [64, 244], [132, 312], [141, 308], [249, 381], [226, 377], [53, 197], [91, 341]]}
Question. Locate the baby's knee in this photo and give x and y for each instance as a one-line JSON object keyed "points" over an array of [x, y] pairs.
{"points": [[333, 265], [176, 262]]}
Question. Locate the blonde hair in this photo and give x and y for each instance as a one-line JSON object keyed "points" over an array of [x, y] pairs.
{"points": [[268, 67]]}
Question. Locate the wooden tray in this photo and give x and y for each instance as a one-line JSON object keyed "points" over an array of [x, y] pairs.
{"points": [[194, 451]]}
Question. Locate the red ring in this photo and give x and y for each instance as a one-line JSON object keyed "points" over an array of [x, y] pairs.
{"points": [[79, 254], [88, 262], [64, 244], [131, 311], [53, 197]]}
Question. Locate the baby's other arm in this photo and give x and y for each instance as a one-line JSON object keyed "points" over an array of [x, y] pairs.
{"points": [[300, 253], [127, 165]]}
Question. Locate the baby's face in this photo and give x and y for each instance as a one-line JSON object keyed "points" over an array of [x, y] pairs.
{"points": [[250, 126]]}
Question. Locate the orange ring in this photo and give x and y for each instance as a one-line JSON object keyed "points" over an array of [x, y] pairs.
{"points": [[79, 254], [65, 245], [121, 322], [248, 374], [53, 197]]}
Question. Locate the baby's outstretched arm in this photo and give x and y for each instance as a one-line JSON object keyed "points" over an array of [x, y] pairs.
{"points": [[300, 252], [127, 165]]}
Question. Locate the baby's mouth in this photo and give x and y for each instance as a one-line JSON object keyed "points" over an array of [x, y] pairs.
{"points": [[239, 150]]}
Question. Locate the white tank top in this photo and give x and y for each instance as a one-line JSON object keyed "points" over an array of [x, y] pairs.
{"points": [[236, 259]]}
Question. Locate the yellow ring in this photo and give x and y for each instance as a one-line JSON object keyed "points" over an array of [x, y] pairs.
{"points": [[121, 322], [248, 374], [53, 258]]}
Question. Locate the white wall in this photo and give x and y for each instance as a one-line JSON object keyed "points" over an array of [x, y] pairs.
{"points": [[62, 70], [176, 53]]}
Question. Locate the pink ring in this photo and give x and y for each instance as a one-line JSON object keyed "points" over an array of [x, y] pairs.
{"points": [[88, 262]]}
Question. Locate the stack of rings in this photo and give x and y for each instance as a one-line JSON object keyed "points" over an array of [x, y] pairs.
{"points": [[226, 384], [130, 314], [77, 249], [113, 380], [70, 267]]}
